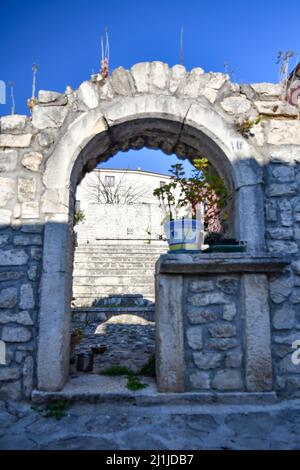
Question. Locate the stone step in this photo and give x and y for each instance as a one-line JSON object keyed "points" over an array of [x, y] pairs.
{"points": [[111, 265], [112, 290], [120, 250], [127, 247], [116, 255], [105, 280], [77, 272]]}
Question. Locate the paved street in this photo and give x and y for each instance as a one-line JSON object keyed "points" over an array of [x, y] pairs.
{"points": [[128, 427]]}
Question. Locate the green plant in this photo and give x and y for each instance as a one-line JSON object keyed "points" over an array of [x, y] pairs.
{"points": [[56, 409], [149, 233], [246, 126], [148, 369], [133, 383], [117, 370], [201, 188], [77, 332], [79, 216]]}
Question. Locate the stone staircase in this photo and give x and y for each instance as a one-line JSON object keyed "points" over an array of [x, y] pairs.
{"points": [[106, 271]]}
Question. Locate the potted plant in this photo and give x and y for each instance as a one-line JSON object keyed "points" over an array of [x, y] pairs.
{"points": [[191, 204]]}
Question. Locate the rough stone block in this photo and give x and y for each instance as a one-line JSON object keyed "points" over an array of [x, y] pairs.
{"points": [[32, 161], [17, 141], [236, 105], [15, 122], [52, 98], [285, 212], [212, 87], [178, 74], [27, 371], [3, 239], [201, 316], [194, 337], [26, 189], [271, 211], [284, 173], [282, 247], [295, 297], [30, 210], [228, 285], [17, 334], [214, 298], [22, 318], [45, 139], [284, 318], [229, 312], [227, 380], [201, 286], [8, 160], [284, 132], [207, 360], [26, 296], [7, 190], [25, 240], [9, 373], [233, 359], [282, 189], [159, 77], [8, 297], [49, 116], [88, 94], [267, 90], [141, 75], [200, 380], [220, 330], [280, 233], [222, 344], [122, 82], [11, 391], [5, 217]]}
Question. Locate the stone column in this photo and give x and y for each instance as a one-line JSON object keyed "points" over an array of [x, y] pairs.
{"points": [[257, 333], [170, 363], [55, 314]]}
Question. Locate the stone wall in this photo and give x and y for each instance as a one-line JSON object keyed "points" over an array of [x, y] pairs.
{"points": [[214, 333], [44, 156], [283, 236], [20, 261], [115, 336]]}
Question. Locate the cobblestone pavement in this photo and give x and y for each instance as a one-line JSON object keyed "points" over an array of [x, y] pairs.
{"points": [[129, 427]]}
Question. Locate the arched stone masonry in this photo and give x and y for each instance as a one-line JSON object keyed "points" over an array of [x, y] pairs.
{"points": [[187, 113]]}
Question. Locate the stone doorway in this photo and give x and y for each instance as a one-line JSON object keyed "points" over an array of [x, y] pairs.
{"points": [[160, 129]]}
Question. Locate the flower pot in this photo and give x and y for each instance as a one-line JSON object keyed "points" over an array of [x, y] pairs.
{"points": [[184, 234], [85, 362]]}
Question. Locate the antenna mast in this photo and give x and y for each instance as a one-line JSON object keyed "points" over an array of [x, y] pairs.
{"points": [[12, 97], [181, 46]]}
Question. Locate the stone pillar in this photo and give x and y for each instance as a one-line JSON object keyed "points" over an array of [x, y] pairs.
{"points": [[250, 217], [257, 333], [170, 363], [55, 314]]}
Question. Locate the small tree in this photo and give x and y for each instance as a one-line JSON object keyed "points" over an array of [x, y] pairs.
{"points": [[201, 188], [123, 193]]}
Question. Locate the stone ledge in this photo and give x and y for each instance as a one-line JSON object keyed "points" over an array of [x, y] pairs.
{"points": [[100, 389], [204, 263]]}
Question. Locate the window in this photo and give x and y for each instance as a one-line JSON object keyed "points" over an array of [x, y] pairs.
{"points": [[109, 181], [162, 184]]}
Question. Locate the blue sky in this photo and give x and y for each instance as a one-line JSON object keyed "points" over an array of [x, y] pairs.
{"points": [[63, 38]]}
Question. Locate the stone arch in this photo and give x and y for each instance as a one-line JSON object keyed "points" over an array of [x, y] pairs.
{"points": [[130, 122]]}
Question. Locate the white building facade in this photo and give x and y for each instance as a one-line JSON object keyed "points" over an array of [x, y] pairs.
{"points": [[118, 204]]}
